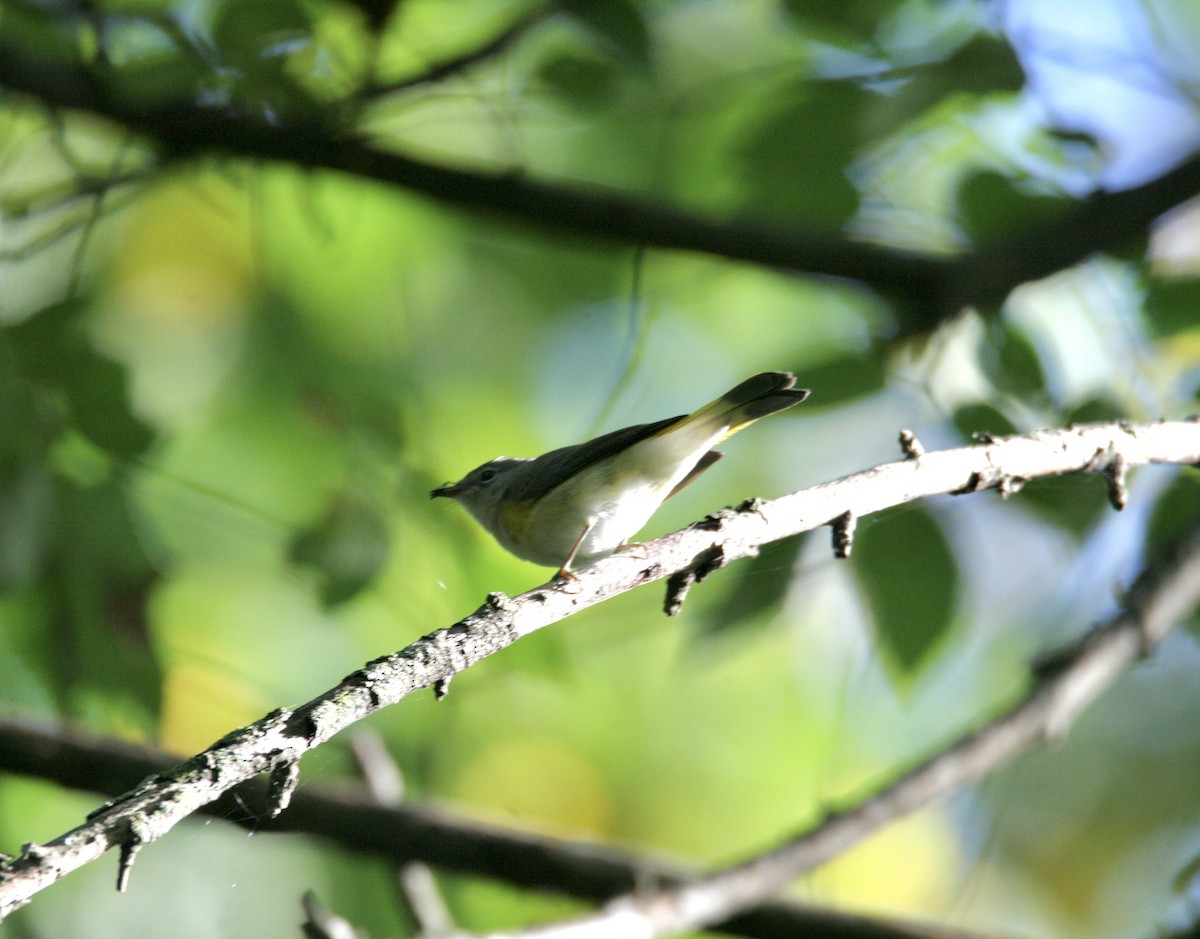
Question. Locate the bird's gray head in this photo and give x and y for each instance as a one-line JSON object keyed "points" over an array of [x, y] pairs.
{"points": [[482, 489]]}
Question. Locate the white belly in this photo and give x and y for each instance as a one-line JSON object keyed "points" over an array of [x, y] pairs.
{"points": [[615, 521]]}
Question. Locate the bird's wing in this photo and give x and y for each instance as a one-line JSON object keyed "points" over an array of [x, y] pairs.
{"points": [[538, 477]]}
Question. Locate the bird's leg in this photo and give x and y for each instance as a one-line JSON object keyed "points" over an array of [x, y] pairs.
{"points": [[564, 572]]}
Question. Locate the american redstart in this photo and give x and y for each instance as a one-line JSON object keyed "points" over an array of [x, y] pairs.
{"points": [[587, 500]]}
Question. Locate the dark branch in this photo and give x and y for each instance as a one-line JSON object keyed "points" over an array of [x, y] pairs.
{"points": [[406, 834], [924, 289]]}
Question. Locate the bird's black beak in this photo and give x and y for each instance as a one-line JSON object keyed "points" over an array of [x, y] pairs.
{"points": [[449, 490]]}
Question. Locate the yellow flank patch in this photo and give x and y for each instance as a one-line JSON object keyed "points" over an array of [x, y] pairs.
{"points": [[515, 516]]}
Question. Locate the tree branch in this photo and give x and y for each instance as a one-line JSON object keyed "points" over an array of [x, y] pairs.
{"points": [[354, 819], [925, 289], [275, 743]]}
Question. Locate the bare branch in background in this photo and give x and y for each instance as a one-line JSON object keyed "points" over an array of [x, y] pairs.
{"points": [[924, 289], [403, 834]]}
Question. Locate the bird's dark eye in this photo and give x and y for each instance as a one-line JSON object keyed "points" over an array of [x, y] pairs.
{"points": [[487, 475]]}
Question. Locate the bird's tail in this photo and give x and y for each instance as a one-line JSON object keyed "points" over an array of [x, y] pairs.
{"points": [[758, 396]]}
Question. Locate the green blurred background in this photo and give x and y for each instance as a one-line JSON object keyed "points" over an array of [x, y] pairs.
{"points": [[229, 385]]}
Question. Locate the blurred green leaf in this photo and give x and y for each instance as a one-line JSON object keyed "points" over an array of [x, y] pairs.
{"points": [[984, 66], [794, 159], [95, 580], [1173, 305], [68, 533], [1095, 410], [38, 30], [130, 39], [257, 43], [619, 22], [100, 405], [974, 420], [1073, 503], [28, 426], [580, 77], [25, 499], [844, 19], [993, 208], [1175, 513], [346, 549], [53, 351], [156, 82], [1011, 361], [846, 378], [910, 580], [249, 34], [761, 586]]}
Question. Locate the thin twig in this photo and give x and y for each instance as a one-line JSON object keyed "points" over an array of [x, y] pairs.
{"points": [[421, 895]]}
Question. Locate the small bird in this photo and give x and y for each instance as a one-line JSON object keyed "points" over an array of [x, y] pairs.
{"points": [[587, 500]]}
